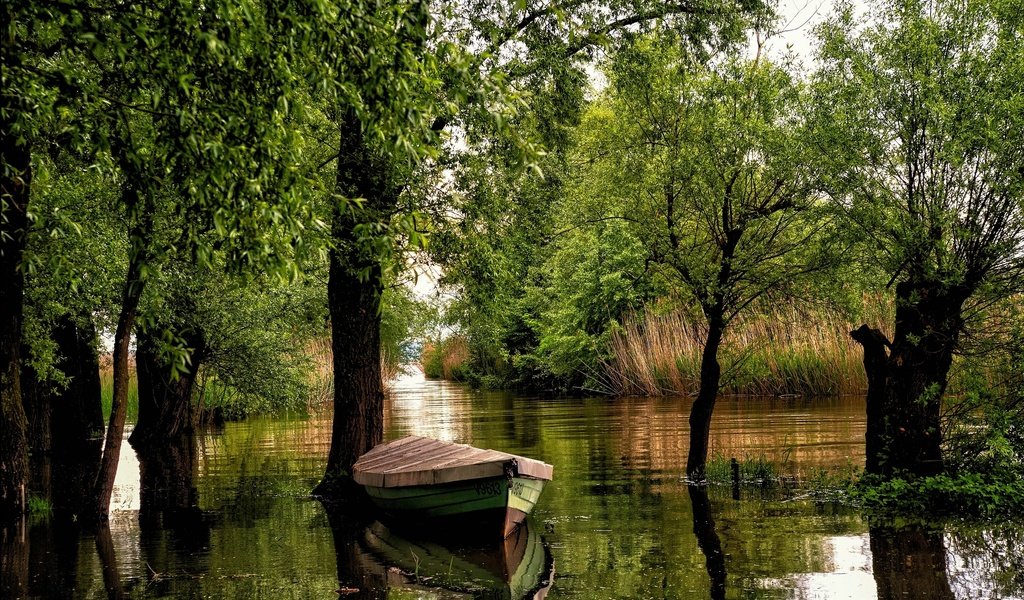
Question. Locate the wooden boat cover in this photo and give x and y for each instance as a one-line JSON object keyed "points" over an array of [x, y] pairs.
{"points": [[416, 460]]}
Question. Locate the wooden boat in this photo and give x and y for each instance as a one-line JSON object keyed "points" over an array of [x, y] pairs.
{"points": [[442, 483]]}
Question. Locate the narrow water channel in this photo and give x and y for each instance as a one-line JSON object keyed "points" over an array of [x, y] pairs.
{"points": [[617, 521]]}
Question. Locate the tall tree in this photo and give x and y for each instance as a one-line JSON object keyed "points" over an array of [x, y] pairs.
{"points": [[15, 186], [920, 112], [708, 164], [187, 108]]}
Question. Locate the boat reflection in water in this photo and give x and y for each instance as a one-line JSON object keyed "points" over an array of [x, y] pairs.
{"points": [[520, 567]]}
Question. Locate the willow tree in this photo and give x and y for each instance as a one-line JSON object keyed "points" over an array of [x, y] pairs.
{"points": [[920, 113], [193, 113], [708, 163]]}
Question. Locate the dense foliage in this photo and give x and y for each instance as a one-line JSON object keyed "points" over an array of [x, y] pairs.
{"points": [[619, 197], [704, 186]]}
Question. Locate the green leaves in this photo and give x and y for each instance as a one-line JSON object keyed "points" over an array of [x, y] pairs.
{"points": [[711, 162], [913, 111]]}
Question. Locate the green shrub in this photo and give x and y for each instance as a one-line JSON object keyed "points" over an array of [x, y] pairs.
{"points": [[967, 494]]}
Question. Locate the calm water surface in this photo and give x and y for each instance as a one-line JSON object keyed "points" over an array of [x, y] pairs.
{"points": [[617, 521]]}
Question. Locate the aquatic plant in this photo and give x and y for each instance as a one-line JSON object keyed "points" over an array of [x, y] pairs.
{"points": [[39, 507]]}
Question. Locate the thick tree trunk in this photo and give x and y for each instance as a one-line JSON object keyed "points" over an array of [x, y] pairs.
{"points": [[147, 369], [928, 324], [905, 389], [104, 486], [62, 420], [704, 405], [358, 390], [37, 398], [15, 182], [78, 414], [875, 358], [165, 401], [169, 498], [354, 289], [66, 443], [74, 469]]}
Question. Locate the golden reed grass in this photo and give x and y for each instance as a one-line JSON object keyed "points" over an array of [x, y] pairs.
{"points": [[778, 350], [446, 359], [455, 357]]}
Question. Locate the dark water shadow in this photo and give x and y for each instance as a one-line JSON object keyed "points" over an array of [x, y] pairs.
{"points": [[909, 563], [359, 577], [64, 478], [174, 531], [14, 559], [707, 539], [377, 559], [168, 496], [108, 563]]}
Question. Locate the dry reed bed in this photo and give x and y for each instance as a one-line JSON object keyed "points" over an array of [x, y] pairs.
{"points": [[779, 350], [446, 359]]}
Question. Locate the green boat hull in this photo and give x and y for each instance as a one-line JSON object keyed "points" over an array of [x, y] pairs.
{"points": [[494, 504]]}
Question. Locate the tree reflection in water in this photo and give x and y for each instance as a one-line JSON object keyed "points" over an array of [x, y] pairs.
{"points": [[707, 539], [63, 477], [108, 562], [14, 559], [168, 496], [909, 563], [359, 577], [174, 532]]}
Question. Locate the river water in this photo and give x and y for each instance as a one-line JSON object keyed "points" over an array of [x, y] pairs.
{"points": [[617, 521]]}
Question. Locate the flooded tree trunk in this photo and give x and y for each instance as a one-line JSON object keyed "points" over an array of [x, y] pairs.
{"points": [[15, 182], [360, 576], [104, 486], [905, 388], [704, 406], [354, 289], [62, 419], [67, 446], [358, 391], [875, 357], [909, 564], [928, 324], [168, 495], [37, 398], [165, 398], [80, 414], [707, 539], [714, 306]]}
